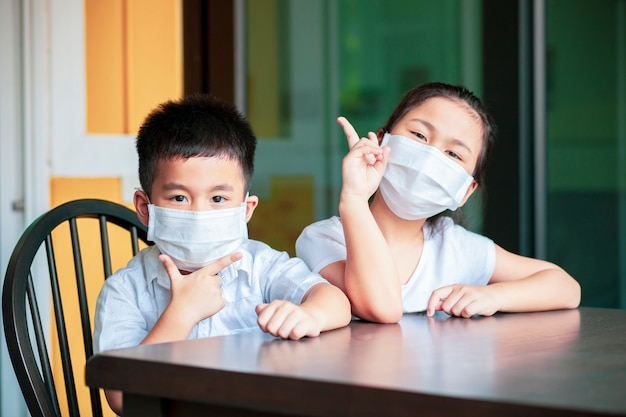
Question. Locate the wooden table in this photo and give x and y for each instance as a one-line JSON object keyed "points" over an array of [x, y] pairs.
{"points": [[570, 362]]}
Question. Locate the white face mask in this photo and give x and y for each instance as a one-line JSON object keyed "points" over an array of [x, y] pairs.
{"points": [[194, 239], [420, 181]]}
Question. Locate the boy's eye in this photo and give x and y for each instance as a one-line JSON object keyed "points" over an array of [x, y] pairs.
{"points": [[420, 136], [218, 199], [179, 198]]}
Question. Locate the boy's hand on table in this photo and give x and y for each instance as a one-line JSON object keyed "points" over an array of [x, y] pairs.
{"points": [[286, 320]]}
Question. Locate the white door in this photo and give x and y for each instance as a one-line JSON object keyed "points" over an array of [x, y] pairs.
{"points": [[42, 129], [23, 192]]}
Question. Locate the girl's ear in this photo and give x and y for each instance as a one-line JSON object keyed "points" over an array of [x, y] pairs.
{"points": [[470, 190], [379, 134], [141, 201], [252, 202]]}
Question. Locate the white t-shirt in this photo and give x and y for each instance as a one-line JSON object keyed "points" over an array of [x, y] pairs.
{"points": [[133, 298], [451, 255]]}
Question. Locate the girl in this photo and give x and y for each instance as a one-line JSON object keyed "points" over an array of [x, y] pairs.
{"points": [[397, 253]]}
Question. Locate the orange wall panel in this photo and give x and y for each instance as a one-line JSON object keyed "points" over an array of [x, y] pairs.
{"points": [[133, 61], [105, 66], [154, 56]]}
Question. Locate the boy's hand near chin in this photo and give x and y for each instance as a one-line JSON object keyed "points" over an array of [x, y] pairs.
{"points": [[286, 320], [197, 295]]}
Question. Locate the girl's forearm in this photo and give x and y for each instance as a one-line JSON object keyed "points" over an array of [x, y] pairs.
{"points": [[548, 289], [371, 278]]}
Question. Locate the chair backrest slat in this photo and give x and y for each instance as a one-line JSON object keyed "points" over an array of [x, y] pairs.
{"points": [[64, 348], [22, 290], [106, 251], [94, 393], [84, 308], [81, 289], [134, 240], [40, 339]]}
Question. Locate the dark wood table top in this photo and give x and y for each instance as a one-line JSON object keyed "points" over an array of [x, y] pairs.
{"points": [[570, 362]]}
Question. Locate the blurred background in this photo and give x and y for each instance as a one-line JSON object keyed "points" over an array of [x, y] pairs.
{"points": [[77, 77]]}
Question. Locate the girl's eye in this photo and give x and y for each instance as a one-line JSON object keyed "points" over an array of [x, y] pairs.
{"points": [[454, 155], [179, 198], [218, 199], [420, 136]]}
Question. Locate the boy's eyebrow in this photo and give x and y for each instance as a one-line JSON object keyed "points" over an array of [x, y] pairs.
{"points": [[176, 186], [223, 187], [431, 127], [173, 186]]}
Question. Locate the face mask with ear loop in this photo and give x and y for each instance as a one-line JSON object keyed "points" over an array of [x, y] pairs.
{"points": [[420, 181], [194, 239]]}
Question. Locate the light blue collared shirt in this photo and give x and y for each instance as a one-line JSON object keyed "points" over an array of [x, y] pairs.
{"points": [[133, 298]]}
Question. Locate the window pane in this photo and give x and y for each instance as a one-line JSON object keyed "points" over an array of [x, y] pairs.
{"points": [[268, 75], [308, 62], [416, 41], [585, 145], [381, 58]]}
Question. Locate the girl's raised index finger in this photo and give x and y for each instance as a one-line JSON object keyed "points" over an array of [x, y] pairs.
{"points": [[349, 131]]}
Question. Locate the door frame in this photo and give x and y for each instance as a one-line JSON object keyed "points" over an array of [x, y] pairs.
{"points": [[24, 139]]}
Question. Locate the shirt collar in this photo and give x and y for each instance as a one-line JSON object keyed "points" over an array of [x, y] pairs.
{"points": [[155, 270]]}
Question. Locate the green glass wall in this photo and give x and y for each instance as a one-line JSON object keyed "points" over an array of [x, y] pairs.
{"points": [[558, 194], [585, 144]]}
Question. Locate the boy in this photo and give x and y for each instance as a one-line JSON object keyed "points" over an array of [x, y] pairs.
{"points": [[203, 277]]}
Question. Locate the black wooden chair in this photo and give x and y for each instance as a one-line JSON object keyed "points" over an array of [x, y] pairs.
{"points": [[37, 286]]}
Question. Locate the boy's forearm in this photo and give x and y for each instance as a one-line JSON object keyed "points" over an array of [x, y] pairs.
{"points": [[114, 398], [168, 328]]}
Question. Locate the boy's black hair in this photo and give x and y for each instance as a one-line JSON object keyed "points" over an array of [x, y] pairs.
{"points": [[196, 125]]}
